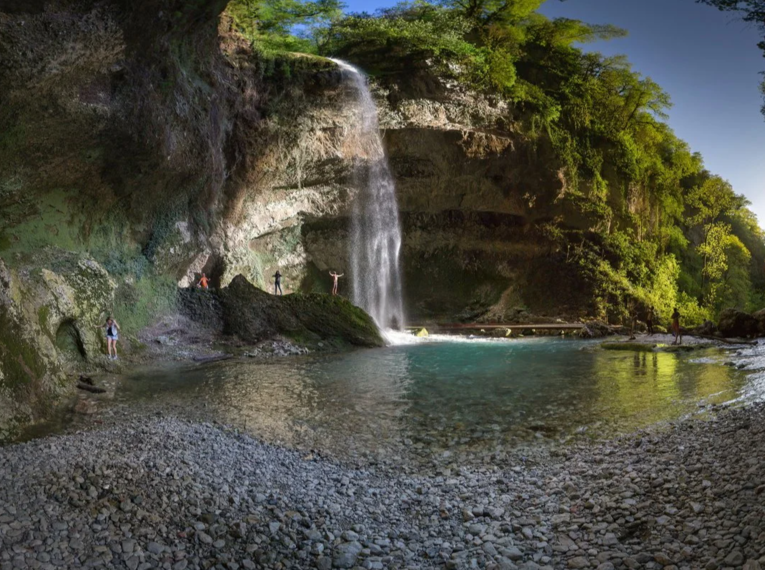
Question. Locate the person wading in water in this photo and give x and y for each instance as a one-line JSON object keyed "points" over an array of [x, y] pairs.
{"points": [[278, 282], [335, 277], [676, 327], [112, 337]]}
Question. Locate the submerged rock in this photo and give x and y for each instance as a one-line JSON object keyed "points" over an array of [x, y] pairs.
{"points": [[633, 346]]}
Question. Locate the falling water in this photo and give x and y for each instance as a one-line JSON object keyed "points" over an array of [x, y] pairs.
{"points": [[376, 233]]}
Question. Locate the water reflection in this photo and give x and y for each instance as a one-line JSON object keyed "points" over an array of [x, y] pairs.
{"points": [[433, 397]]}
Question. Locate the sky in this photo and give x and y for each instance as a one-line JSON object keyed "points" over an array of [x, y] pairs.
{"points": [[709, 63]]}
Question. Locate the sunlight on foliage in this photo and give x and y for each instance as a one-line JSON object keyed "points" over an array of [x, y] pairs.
{"points": [[662, 231]]}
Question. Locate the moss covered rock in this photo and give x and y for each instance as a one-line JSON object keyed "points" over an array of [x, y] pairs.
{"points": [[29, 378], [629, 346], [243, 310], [735, 323], [51, 305], [253, 315]]}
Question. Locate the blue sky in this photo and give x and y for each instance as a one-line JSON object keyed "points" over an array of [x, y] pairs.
{"points": [[706, 60]]}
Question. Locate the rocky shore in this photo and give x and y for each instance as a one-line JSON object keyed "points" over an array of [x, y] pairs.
{"points": [[166, 493]]}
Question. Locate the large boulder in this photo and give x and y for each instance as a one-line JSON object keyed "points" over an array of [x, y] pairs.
{"points": [[596, 329], [760, 318], [707, 328], [735, 323], [51, 305], [243, 310]]}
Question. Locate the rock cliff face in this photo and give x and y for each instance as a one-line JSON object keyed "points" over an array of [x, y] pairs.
{"points": [[476, 199], [48, 309], [144, 142]]}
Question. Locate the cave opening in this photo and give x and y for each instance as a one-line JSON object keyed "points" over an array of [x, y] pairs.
{"points": [[69, 342]]}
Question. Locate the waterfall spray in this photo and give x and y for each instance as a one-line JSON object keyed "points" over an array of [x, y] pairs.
{"points": [[376, 231]]}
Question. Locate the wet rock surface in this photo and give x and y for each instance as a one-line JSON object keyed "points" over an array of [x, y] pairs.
{"points": [[734, 323], [252, 315], [172, 494]]}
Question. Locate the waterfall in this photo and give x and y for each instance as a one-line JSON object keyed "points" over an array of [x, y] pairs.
{"points": [[375, 228]]}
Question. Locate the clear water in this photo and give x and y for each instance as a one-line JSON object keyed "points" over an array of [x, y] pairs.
{"points": [[375, 244], [431, 397]]}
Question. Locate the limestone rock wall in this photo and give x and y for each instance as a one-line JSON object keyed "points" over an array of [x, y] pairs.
{"points": [[476, 199], [52, 307], [144, 142]]}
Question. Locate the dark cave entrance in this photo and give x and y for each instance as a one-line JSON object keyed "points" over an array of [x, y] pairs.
{"points": [[69, 341]]}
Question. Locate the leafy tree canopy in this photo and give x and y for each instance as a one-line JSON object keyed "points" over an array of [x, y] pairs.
{"points": [[662, 230]]}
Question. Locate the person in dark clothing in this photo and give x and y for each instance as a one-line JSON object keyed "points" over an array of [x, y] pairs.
{"points": [[277, 282], [649, 320], [676, 327]]}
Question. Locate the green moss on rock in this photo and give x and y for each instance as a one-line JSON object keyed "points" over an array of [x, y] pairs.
{"points": [[243, 310], [253, 315], [628, 346]]}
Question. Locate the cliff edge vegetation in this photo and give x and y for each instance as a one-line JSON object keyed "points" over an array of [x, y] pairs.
{"points": [[634, 210]]}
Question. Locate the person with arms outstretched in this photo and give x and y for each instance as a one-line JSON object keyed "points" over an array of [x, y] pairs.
{"points": [[335, 277], [278, 282]]}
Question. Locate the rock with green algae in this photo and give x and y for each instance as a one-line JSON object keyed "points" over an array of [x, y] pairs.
{"points": [[51, 303], [652, 347], [28, 380], [633, 346], [253, 315], [243, 310]]}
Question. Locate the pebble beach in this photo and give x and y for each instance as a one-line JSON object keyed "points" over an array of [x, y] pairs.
{"points": [[173, 494]]}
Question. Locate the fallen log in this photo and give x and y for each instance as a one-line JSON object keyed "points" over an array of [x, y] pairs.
{"points": [[208, 359], [724, 340], [90, 388]]}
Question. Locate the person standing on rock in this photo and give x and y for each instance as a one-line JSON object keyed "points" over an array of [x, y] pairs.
{"points": [[278, 282], [112, 337], [204, 282], [335, 277], [676, 327]]}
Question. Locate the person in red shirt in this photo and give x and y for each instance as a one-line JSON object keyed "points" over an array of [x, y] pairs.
{"points": [[203, 281]]}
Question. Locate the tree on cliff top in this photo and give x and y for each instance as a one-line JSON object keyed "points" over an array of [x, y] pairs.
{"points": [[658, 225], [645, 194], [281, 25]]}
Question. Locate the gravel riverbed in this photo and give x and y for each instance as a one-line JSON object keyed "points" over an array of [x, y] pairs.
{"points": [[168, 493]]}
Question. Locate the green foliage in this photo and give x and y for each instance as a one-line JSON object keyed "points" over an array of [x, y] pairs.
{"points": [[662, 231], [270, 24], [407, 35]]}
